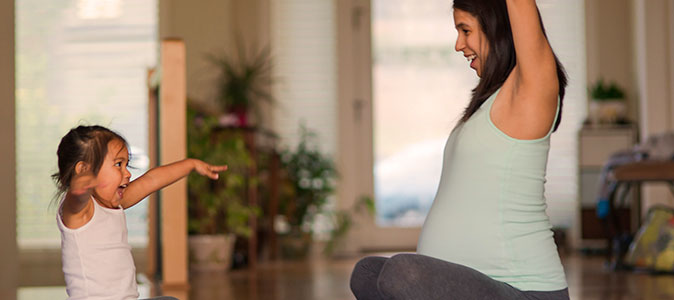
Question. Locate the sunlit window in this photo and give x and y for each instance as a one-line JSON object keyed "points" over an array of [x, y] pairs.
{"points": [[78, 62], [99, 9], [420, 87]]}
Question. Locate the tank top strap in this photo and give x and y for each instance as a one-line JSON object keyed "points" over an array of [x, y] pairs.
{"points": [[490, 102]]}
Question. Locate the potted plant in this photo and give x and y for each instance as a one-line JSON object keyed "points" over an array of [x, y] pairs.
{"points": [[244, 80], [343, 221], [607, 105], [310, 178], [217, 210]]}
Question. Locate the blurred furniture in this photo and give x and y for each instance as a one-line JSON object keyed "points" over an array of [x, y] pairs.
{"points": [[631, 176], [596, 144]]}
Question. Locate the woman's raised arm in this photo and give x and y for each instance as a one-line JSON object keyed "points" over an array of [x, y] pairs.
{"points": [[535, 60]]}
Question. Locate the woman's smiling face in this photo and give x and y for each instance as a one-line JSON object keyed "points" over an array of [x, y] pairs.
{"points": [[113, 177], [471, 40]]}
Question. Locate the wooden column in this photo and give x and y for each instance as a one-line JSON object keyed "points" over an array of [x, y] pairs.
{"points": [[152, 230], [173, 147], [9, 256]]}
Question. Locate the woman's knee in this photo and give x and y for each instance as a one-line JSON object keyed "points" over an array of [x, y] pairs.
{"points": [[367, 269], [404, 264], [359, 274], [401, 273], [364, 276]]}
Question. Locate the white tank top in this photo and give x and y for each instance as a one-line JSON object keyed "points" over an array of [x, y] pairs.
{"points": [[97, 261]]}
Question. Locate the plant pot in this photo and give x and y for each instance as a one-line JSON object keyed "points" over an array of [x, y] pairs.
{"points": [[607, 111], [211, 253], [295, 245], [241, 114]]}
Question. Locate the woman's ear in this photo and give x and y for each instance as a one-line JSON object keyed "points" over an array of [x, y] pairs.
{"points": [[81, 167]]}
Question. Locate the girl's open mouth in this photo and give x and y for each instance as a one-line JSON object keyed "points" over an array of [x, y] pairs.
{"points": [[120, 190]]}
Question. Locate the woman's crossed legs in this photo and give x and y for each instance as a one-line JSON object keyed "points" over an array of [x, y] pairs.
{"points": [[415, 276]]}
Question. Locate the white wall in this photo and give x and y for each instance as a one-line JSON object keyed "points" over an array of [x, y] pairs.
{"points": [[654, 64], [214, 27], [609, 47], [206, 27], [564, 22], [304, 38]]}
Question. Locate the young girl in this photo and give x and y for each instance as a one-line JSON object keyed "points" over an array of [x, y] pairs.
{"points": [[95, 188], [487, 235]]}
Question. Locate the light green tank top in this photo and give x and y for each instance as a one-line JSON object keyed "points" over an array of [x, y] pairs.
{"points": [[489, 211]]}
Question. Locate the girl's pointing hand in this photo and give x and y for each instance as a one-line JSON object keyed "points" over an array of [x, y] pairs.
{"points": [[208, 170]]}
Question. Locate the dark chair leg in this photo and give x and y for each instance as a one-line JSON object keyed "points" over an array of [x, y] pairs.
{"points": [[611, 224], [620, 236]]}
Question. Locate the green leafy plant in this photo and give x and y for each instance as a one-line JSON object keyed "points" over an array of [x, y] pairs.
{"points": [[601, 91], [244, 80], [311, 175], [217, 206]]}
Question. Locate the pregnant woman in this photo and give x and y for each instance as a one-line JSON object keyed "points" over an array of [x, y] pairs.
{"points": [[487, 235]]}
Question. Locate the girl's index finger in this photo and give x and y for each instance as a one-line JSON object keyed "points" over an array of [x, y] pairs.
{"points": [[219, 168]]}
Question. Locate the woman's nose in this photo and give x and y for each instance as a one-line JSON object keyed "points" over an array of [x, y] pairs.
{"points": [[459, 44]]}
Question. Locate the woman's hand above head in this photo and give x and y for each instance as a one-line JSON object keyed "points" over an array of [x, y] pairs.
{"points": [[207, 169]]}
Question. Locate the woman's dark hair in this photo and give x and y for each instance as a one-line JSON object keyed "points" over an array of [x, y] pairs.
{"points": [[495, 23], [88, 144]]}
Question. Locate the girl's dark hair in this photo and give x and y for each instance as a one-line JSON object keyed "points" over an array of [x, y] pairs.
{"points": [[493, 18], [88, 144]]}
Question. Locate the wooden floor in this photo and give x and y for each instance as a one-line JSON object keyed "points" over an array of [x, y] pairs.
{"points": [[328, 280], [588, 278], [324, 279], [320, 279]]}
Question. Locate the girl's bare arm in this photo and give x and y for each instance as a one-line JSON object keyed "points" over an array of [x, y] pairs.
{"points": [[76, 209], [161, 176]]}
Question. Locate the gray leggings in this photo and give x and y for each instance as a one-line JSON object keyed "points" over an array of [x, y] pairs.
{"points": [[416, 276]]}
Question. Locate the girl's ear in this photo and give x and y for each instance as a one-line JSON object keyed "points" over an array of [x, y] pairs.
{"points": [[81, 167]]}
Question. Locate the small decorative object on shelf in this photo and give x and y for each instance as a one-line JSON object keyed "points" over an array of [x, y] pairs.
{"points": [[607, 104]]}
